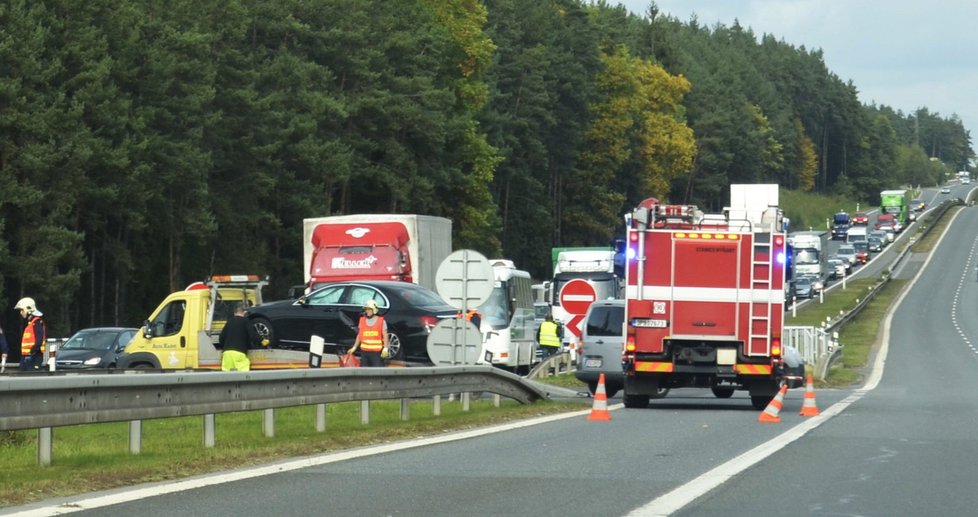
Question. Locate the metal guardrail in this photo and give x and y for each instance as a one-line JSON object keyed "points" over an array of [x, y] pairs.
{"points": [[42, 402]]}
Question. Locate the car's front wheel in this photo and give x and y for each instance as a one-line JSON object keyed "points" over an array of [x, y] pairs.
{"points": [[264, 329]]}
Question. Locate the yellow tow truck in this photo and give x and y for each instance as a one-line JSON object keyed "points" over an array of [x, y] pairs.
{"points": [[182, 333]]}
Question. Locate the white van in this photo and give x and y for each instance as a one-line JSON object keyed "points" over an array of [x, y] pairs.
{"points": [[856, 233]]}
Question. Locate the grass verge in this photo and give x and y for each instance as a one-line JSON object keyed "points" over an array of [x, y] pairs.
{"points": [[95, 456]]}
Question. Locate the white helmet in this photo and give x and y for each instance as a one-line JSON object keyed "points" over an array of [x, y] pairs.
{"points": [[26, 304], [370, 304]]}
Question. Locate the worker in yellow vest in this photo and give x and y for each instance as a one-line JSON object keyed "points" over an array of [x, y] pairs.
{"points": [[549, 336]]}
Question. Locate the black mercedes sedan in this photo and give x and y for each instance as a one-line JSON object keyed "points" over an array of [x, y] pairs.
{"points": [[333, 312]]}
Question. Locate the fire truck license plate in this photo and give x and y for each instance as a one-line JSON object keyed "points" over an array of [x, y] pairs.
{"points": [[656, 324]]}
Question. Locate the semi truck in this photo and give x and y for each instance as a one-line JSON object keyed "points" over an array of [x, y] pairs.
{"points": [[808, 253], [594, 265], [183, 331], [704, 298], [403, 247], [897, 204]]}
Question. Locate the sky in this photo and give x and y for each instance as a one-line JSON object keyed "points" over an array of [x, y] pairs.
{"points": [[904, 54]]}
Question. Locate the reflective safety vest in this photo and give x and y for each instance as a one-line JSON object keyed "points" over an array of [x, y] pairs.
{"points": [[372, 336], [28, 340], [548, 334]]}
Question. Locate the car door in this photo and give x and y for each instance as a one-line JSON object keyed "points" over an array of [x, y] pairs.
{"points": [[319, 314]]}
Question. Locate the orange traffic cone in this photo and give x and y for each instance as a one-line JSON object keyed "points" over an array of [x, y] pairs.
{"points": [[599, 411], [809, 408], [773, 409]]}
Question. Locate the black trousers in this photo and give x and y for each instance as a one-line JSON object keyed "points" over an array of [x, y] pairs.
{"points": [[371, 359]]}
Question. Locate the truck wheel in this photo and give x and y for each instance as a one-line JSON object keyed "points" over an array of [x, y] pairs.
{"points": [[722, 393], [395, 346], [636, 401], [264, 329]]}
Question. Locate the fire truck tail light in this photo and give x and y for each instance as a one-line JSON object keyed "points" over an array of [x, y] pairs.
{"points": [[776, 347], [630, 344]]}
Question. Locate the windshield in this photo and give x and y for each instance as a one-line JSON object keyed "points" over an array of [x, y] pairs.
{"points": [[842, 219], [91, 341], [496, 310], [891, 210], [846, 250], [806, 256]]}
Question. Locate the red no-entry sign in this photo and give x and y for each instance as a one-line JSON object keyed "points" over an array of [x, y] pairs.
{"points": [[576, 296]]}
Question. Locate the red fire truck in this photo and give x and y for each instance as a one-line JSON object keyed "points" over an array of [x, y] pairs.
{"points": [[705, 298]]}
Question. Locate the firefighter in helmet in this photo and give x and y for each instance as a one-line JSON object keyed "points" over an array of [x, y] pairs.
{"points": [[32, 344], [372, 337]]}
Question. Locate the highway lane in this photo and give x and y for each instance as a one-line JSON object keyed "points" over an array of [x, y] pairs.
{"points": [[557, 468], [907, 447]]}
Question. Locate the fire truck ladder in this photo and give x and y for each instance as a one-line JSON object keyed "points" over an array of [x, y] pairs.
{"points": [[762, 276]]}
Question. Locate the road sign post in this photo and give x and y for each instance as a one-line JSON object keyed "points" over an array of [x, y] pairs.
{"points": [[575, 297], [464, 280]]}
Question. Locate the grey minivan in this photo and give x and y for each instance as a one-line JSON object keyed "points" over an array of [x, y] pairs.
{"points": [[602, 341]]}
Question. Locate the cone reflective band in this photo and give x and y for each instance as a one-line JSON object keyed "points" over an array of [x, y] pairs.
{"points": [[809, 408], [599, 410]]}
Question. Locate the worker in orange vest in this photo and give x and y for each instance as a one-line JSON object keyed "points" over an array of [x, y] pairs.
{"points": [[474, 316], [372, 338], [32, 344]]}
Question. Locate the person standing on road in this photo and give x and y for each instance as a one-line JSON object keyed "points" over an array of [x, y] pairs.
{"points": [[549, 336], [237, 336], [372, 338], [32, 344]]}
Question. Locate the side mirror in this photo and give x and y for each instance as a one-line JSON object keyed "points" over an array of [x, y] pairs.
{"points": [[147, 330]]}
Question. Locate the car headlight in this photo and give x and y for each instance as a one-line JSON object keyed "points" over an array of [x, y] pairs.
{"points": [[93, 361]]}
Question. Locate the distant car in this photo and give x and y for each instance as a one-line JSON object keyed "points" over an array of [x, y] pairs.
{"points": [[333, 312], [794, 366], [881, 235], [837, 268], [875, 244], [862, 251], [804, 287], [861, 218], [96, 347], [917, 205], [845, 261], [946, 190], [847, 252], [887, 228]]}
